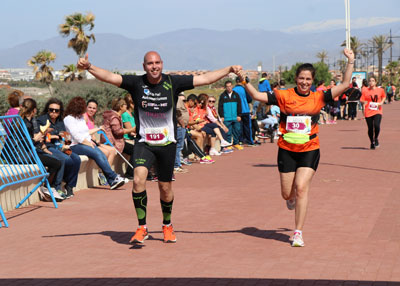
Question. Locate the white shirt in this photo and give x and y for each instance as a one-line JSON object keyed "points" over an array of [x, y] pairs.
{"points": [[77, 128]]}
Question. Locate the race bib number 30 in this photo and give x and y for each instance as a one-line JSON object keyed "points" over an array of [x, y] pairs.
{"points": [[373, 106], [298, 124], [157, 135]]}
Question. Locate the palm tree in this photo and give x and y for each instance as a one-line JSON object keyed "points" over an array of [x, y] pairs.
{"points": [[356, 47], [381, 43], [322, 56], [76, 24], [43, 71], [70, 70]]}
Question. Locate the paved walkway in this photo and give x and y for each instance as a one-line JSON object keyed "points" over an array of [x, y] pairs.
{"points": [[232, 226]]}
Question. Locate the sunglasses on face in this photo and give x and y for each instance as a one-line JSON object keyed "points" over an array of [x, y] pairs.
{"points": [[211, 101], [54, 110]]}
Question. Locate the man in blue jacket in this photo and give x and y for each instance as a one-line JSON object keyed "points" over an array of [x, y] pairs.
{"points": [[245, 123], [263, 84], [229, 108]]}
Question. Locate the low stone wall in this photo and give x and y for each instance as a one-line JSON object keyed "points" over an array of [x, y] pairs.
{"points": [[12, 195]]}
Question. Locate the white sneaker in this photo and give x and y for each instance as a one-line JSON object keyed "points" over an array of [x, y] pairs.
{"points": [[225, 143], [297, 240], [214, 152], [291, 204]]}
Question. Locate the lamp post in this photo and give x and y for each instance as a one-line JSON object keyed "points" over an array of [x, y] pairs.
{"points": [[259, 69]]}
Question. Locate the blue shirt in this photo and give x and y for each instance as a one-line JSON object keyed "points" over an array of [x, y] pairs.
{"points": [[263, 85], [243, 98]]}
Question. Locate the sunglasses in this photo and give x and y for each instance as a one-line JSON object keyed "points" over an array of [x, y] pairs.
{"points": [[54, 110], [211, 101]]}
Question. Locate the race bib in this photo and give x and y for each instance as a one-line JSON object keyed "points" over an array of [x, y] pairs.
{"points": [[298, 124], [157, 136], [373, 106]]}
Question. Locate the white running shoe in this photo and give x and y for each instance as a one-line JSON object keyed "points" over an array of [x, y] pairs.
{"points": [[291, 204], [225, 143], [297, 240], [214, 152]]}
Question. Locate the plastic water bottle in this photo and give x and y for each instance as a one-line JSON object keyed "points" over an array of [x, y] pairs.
{"points": [[57, 145]]}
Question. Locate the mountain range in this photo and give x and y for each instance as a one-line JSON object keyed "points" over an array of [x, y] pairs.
{"points": [[201, 49]]}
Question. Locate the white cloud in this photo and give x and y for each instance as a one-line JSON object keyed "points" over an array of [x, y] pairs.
{"points": [[339, 23]]}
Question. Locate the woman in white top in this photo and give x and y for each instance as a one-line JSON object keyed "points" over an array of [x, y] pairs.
{"points": [[81, 142]]}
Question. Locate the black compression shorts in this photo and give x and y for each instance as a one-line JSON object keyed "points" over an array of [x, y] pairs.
{"points": [[289, 161], [163, 156]]}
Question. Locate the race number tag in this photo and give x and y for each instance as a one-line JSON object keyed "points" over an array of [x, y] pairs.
{"points": [[298, 124], [157, 135], [373, 106]]}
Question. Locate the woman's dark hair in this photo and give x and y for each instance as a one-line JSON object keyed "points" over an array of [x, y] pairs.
{"points": [[321, 82], [365, 82], [54, 100], [192, 97], [203, 98], [275, 85], [76, 107], [14, 98], [306, 67], [128, 99], [92, 100], [117, 103], [27, 107]]}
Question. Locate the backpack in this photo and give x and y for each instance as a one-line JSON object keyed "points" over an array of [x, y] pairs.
{"points": [[389, 89]]}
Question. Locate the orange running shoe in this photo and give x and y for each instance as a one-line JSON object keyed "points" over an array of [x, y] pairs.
{"points": [[238, 147], [169, 234], [140, 236]]}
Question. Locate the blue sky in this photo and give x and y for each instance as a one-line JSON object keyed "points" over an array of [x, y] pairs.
{"points": [[38, 20]]}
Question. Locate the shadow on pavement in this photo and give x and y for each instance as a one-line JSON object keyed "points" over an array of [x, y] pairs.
{"points": [[266, 165], [123, 237], [355, 148], [187, 281], [362, 168]]}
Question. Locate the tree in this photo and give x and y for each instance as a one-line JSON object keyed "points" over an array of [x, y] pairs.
{"points": [[322, 56], [381, 44], [70, 70], [321, 72], [76, 24], [393, 68], [356, 46], [289, 75], [43, 71]]}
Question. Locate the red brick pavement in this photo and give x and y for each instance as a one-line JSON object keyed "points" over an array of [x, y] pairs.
{"points": [[231, 223]]}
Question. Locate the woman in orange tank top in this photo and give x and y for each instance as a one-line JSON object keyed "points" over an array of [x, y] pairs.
{"points": [[372, 99], [298, 154]]}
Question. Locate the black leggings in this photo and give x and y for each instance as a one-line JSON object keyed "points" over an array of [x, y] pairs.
{"points": [[374, 126], [352, 109]]}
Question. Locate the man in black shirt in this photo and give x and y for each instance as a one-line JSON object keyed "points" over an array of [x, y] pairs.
{"points": [[155, 96]]}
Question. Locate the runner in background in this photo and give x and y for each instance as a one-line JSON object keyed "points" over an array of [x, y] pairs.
{"points": [[372, 99]]}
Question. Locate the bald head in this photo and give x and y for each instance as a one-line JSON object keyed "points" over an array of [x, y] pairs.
{"points": [[153, 65], [151, 55]]}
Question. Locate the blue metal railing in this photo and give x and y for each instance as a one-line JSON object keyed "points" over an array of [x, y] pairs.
{"points": [[19, 161]]}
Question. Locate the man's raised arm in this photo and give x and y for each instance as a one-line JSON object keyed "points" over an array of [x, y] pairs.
{"points": [[99, 73], [213, 76]]}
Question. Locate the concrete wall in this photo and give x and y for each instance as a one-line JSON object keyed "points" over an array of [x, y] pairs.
{"points": [[12, 195]]}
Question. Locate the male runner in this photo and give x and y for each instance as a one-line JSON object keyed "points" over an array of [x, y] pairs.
{"points": [[155, 96]]}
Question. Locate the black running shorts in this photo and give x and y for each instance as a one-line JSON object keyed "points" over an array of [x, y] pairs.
{"points": [[162, 156], [289, 161]]}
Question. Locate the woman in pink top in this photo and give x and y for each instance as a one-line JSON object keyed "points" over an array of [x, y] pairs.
{"points": [[89, 115], [13, 100]]}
